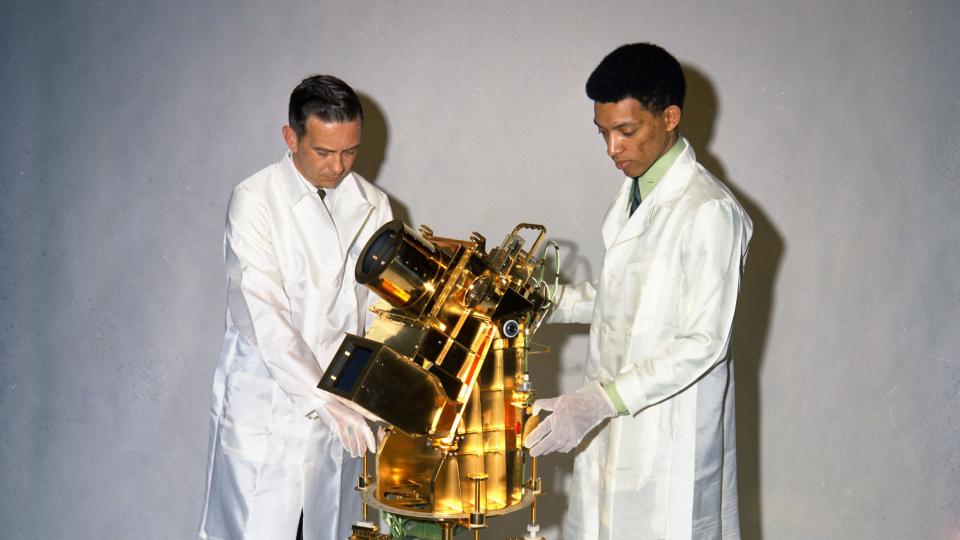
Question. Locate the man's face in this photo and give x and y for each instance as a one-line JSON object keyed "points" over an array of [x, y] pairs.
{"points": [[635, 137], [326, 151]]}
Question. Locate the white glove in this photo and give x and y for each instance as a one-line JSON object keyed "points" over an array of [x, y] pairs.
{"points": [[574, 415], [349, 425]]}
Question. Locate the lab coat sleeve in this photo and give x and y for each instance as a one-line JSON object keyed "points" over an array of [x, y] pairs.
{"points": [[710, 280], [259, 306], [574, 303]]}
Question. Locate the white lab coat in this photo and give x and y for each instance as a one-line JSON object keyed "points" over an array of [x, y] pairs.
{"points": [[661, 316], [291, 297]]}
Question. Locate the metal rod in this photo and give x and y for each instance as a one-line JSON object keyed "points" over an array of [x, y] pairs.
{"points": [[536, 490], [478, 518], [533, 510], [364, 480], [533, 468], [476, 495]]}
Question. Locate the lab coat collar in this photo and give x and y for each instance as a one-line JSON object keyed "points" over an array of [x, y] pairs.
{"points": [[616, 216], [296, 187], [346, 218], [618, 228]]}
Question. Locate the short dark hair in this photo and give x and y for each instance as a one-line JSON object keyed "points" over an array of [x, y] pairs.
{"points": [[326, 97], [642, 71]]}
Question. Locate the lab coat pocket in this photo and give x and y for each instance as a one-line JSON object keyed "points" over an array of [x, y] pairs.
{"points": [[247, 426]]}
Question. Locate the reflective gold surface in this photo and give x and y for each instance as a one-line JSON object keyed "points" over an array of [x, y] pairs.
{"points": [[442, 364]]}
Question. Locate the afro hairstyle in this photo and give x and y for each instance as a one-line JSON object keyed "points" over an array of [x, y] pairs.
{"points": [[643, 71]]}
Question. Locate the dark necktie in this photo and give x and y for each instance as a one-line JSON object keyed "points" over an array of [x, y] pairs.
{"points": [[321, 193], [635, 196]]}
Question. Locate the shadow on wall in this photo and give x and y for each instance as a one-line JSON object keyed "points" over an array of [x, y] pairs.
{"points": [[755, 302], [373, 153]]}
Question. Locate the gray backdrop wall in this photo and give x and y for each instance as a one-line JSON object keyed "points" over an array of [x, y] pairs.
{"points": [[125, 125]]}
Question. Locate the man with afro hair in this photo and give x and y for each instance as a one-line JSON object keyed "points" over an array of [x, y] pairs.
{"points": [[654, 422]]}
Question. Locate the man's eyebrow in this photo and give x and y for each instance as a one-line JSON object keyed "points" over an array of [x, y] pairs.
{"points": [[331, 150], [618, 126]]}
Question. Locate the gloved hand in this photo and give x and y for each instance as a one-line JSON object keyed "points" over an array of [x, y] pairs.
{"points": [[573, 416], [349, 425]]}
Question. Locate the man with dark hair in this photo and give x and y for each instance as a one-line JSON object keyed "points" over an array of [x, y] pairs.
{"points": [[283, 452], [659, 374]]}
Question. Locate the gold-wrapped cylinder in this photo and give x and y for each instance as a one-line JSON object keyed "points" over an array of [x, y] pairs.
{"points": [[400, 265]]}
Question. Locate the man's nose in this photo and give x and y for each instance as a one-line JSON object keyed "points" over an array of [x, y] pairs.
{"points": [[337, 166], [613, 145]]}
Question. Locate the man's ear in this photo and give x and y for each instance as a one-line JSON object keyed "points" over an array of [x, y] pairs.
{"points": [[671, 117], [290, 137]]}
